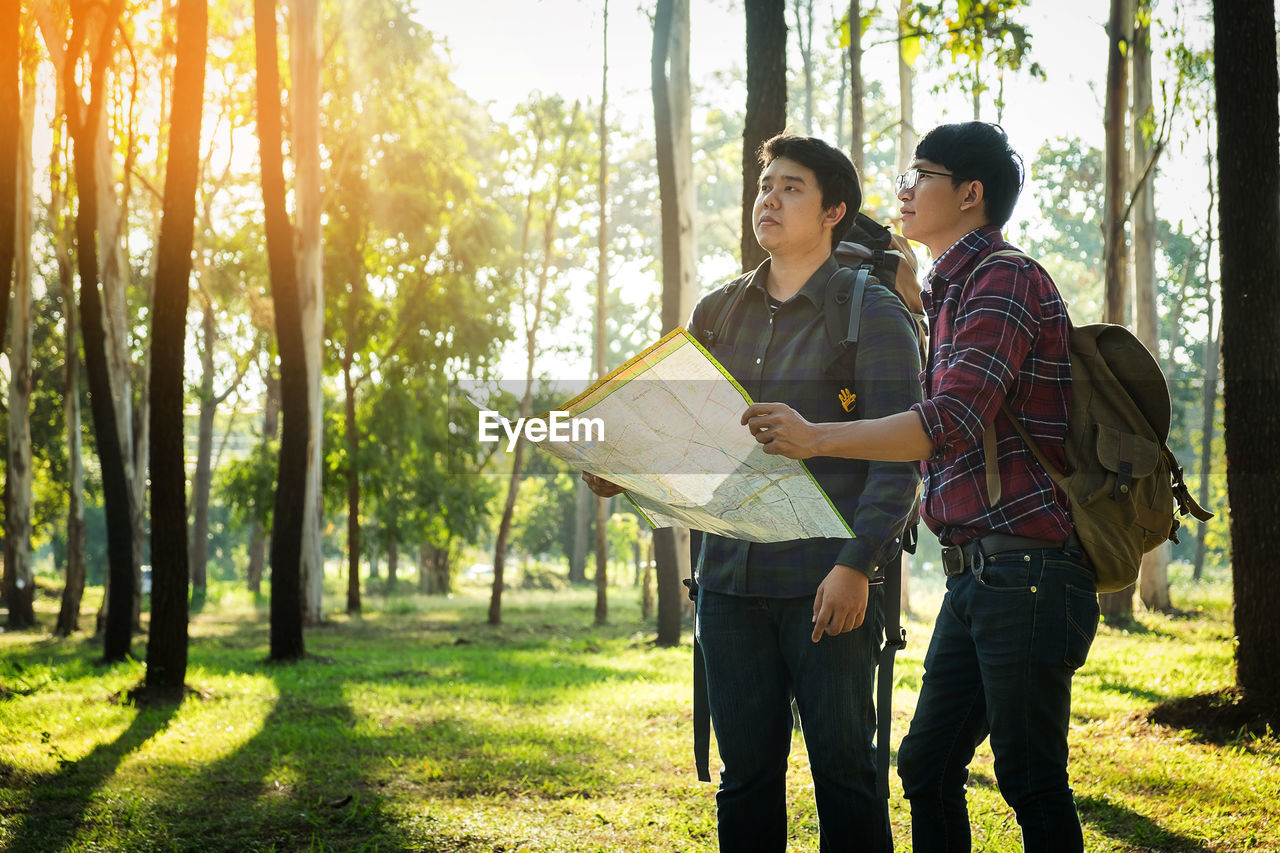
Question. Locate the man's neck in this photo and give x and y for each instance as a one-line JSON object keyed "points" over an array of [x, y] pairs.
{"points": [[788, 273], [939, 247]]}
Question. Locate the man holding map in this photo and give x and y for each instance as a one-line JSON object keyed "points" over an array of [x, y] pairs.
{"points": [[802, 618]]}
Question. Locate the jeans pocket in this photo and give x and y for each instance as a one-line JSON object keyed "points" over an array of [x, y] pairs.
{"points": [[1082, 624]]}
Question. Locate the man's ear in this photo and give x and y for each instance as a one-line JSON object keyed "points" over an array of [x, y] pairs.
{"points": [[832, 215], [974, 197]]}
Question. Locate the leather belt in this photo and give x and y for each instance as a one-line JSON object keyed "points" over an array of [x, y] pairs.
{"points": [[957, 559]]}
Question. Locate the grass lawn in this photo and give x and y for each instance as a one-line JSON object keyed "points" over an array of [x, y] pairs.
{"points": [[419, 727]]}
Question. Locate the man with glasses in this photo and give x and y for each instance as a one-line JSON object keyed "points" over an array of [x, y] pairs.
{"points": [[1020, 611]]}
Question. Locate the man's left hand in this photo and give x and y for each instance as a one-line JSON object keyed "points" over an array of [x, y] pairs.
{"points": [[781, 430], [841, 602]]}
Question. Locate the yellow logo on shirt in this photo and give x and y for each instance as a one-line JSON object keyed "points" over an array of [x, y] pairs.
{"points": [[847, 399]]}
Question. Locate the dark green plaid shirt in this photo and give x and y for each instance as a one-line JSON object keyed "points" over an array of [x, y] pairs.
{"points": [[787, 356]]}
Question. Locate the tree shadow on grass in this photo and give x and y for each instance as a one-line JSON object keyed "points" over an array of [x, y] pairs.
{"points": [[319, 775], [1220, 718], [1128, 827], [60, 799]]}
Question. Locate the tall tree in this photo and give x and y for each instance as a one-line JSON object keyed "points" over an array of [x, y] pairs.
{"points": [[1119, 33], [857, 110], [83, 117], [1153, 582], [167, 642], [908, 50], [15, 225], [1246, 85], [766, 106], [671, 119], [548, 125], [287, 514], [602, 294], [77, 569], [304, 96]]}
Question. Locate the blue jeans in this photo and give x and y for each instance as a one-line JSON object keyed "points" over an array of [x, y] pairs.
{"points": [[758, 656], [1009, 637]]}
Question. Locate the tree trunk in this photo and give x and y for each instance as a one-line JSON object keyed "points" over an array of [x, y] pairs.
{"points": [[73, 591], [583, 504], [766, 107], [803, 10], [202, 481], [671, 113], [287, 515], [167, 643], [393, 562], [1209, 408], [906, 76], [305, 57], [353, 448], [1153, 578], [118, 497], [531, 351], [270, 426], [857, 112], [1116, 605], [1249, 239], [602, 293], [20, 592]]}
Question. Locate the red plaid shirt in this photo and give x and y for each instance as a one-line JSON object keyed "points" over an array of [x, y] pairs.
{"points": [[1000, 334]]}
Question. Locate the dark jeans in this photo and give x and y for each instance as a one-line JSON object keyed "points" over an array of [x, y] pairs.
{"points": [[1009, 637], [758, 655]]}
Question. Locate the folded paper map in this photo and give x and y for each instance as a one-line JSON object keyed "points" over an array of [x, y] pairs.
{"points": [[672, 438]]}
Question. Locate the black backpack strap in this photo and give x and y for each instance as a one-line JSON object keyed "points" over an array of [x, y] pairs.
{"points": [[701, 702], [845, 292], [895, 639]]}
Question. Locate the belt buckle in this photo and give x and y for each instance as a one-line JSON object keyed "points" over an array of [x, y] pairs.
{"points": [[952, 560]]}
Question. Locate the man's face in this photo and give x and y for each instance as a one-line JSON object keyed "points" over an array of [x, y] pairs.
{"points": [[788, 214], [932, 206]]}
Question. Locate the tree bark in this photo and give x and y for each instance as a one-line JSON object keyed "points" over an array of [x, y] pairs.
{"points": [[1249, 242], [76, 571], [531, 352], [906, 78], [857, 112], [1153, 578], [167, 643], [20, 592], [305, 58], [602, 293], [270, 427], [1116, 605], [672, 118], [766, 106], [1209, 399], [83, 118], [287, 514], [201, 483]]}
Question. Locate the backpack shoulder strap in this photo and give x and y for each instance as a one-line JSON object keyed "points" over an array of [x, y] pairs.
{"points": [[843, 302], [895, 639]]}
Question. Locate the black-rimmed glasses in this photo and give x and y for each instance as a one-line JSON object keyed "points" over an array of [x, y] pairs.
{"points": [[908, 179]]}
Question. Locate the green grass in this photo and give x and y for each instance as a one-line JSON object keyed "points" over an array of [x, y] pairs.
{"points": [[419, 727]]}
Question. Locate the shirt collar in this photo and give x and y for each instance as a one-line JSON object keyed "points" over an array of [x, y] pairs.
{"points": [[815, 289], [963, 255]]}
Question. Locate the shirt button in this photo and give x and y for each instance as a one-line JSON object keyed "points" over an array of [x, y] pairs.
{"points": [[757, 361]]}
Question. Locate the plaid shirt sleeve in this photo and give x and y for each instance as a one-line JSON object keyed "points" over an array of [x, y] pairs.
{"points": [[997, 335], [994, 327]]}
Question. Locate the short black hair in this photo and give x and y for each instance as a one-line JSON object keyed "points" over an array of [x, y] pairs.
{"points": [[978, 151], [832, 167]]}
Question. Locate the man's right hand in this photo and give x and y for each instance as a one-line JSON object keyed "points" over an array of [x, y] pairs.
{"points": [[601, 486]]}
